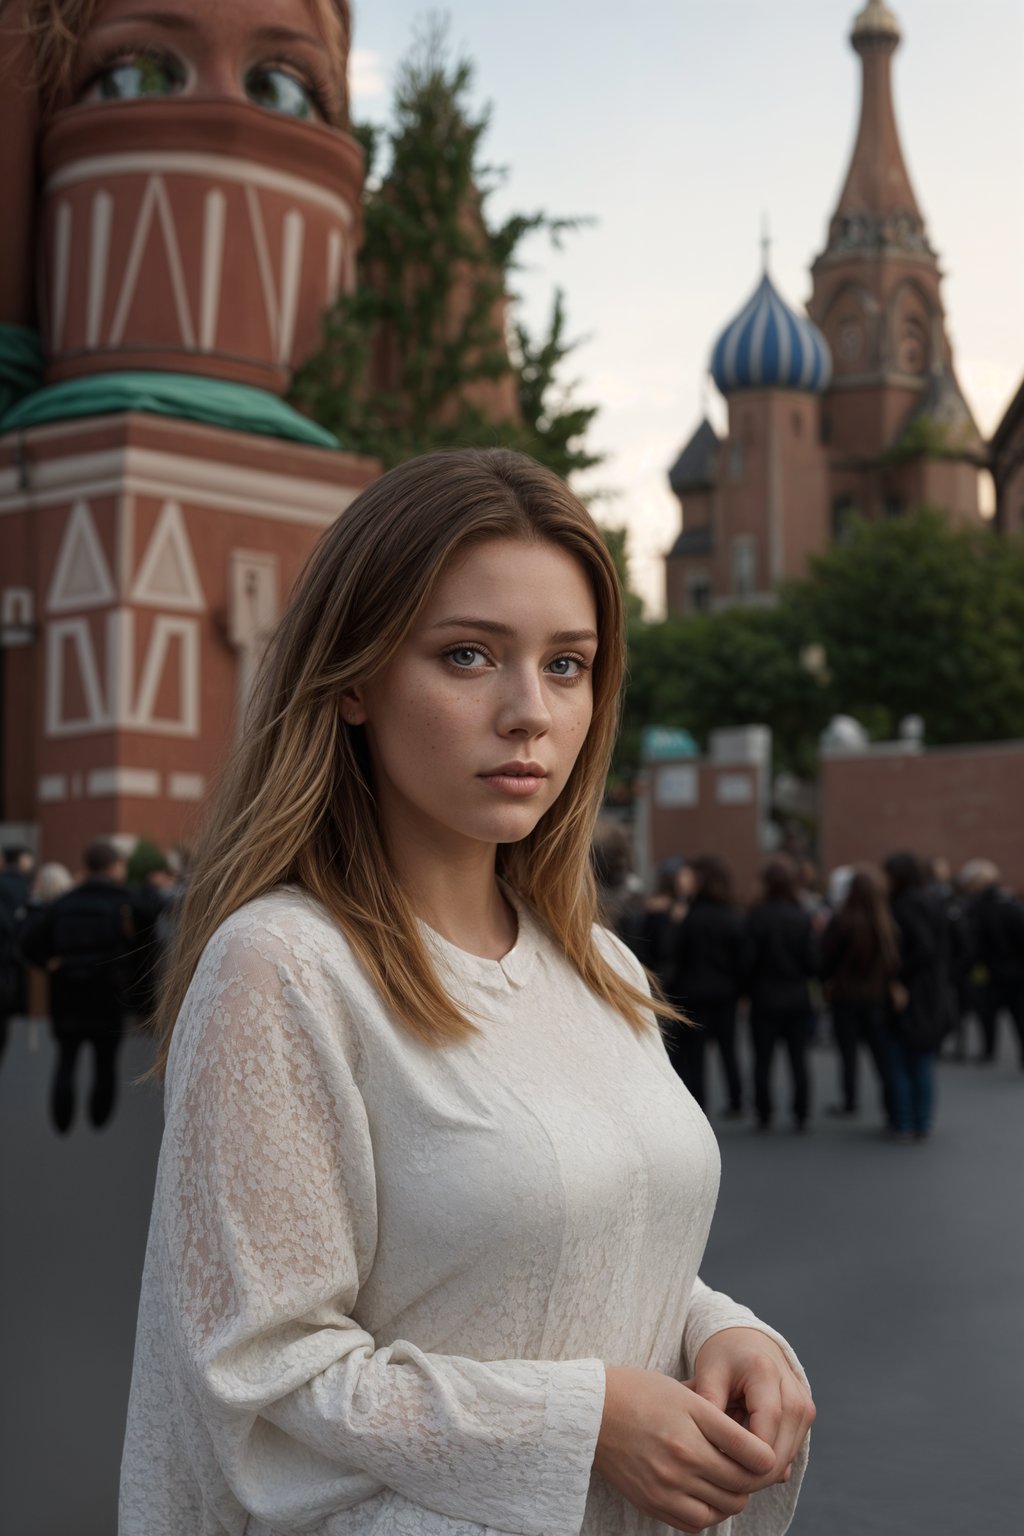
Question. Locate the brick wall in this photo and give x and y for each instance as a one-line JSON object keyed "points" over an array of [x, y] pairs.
{"points": [[709, 805], [957, 802]]}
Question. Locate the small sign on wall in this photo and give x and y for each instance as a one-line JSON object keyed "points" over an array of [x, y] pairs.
{"points": [[734, 789], [676, 787]]}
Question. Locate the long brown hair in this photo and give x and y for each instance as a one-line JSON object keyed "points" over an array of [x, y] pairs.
{"points": [[865, 921], [296, 804], [57, 27]]}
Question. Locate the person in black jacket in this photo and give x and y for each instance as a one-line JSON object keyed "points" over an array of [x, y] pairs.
{"points": [[84, 940], [860, 963], [706, 980], [779, 957], [995, 924], [918, 1017]]}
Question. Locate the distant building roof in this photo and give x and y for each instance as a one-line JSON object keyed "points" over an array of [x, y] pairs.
{"points": [[770, 346], [942, 419], [1012, 418], [695, 466], [693, 541]]}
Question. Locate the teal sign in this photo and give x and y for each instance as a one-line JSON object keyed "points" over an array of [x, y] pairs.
{"points": [[665, 743]]}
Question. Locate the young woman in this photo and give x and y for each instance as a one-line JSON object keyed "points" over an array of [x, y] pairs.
{"points": [[860, 964], [431, 1200], [917, 1017]]}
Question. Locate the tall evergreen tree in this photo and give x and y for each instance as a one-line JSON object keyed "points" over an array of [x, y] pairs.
{"points": [[418, 358]]}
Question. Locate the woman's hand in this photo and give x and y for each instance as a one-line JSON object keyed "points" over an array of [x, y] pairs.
{"points": [[746, 1374], [676, 1455]]}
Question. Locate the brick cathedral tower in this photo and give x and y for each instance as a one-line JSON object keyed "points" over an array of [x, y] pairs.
{"points": [[853, 409], [897, 428]]}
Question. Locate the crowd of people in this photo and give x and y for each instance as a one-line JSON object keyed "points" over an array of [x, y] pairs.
{"points": [[898, 963], [99, 941], [902, 962]]}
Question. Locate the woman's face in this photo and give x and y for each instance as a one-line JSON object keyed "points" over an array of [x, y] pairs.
{"points": [[264, 51], [476, 722]]}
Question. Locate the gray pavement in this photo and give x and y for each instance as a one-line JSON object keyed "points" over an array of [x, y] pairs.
{"points": [[897, 1272]]}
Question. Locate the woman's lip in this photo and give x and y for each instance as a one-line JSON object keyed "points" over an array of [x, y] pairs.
{"points": [[513, 783]]}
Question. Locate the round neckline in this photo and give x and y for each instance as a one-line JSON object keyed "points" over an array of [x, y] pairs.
{"points": [[514, 967]]}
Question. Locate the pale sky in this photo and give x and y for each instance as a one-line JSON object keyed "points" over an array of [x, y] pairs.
{"points": [[677, 125]]}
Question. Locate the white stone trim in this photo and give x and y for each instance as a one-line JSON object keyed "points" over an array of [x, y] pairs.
{"points": [[52, 787], [17, 606], [80, 536], [192, 163], [279, 304], [171, 476], [99, 251], [187, 723], [169, 537], [154, 199], [214, 221], [186, 786], [97, 718], [120, 666], [61, 272], [141, 782]]}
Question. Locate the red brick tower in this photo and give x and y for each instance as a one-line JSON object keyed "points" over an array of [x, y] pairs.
{"points": [[157, 496], [897, 428]]}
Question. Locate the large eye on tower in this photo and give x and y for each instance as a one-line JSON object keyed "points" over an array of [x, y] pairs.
{"points": [[136, 75], [279, 90]]}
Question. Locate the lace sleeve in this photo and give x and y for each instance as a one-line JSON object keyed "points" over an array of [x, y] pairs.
{"points": [[771, 1509], [267, 1211]]}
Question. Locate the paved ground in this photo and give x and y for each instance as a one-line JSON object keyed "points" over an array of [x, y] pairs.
{"points": [[898, 1272]]}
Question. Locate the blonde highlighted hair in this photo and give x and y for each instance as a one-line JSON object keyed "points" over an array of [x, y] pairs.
{"points": [[57, 29], [296, 803]]}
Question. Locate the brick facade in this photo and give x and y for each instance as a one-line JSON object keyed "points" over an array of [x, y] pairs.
{"points": [[956, 802], [890, 432]]}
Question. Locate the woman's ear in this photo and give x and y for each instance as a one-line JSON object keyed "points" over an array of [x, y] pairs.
{"points": [[353, 706]]}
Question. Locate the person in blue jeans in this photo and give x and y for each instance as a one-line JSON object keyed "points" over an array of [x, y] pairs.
{"points": [[917, 1018], [860, 963]]}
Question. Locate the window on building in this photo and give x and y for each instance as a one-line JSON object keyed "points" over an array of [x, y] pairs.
{"points": [[826, 427], [698, 592], [893, 506], [844, 510], [737, 459], [744, 565]]}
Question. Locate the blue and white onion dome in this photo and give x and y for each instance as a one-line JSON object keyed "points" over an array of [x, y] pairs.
{"points": [[770, 346]]}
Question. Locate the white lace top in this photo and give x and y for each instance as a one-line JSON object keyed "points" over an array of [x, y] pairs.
{"points": [[382, 1278]]}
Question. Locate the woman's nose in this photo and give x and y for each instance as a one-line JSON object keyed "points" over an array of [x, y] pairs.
{"points": [[524, 708], [218, 76]]}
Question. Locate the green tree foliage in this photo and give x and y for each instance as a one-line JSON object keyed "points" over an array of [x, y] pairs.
{"points": [[617, 540], [913, 616], [427, 315], [918, 617]]}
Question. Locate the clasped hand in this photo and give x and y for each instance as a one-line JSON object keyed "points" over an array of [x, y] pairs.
{"points": [[691, 1453]]}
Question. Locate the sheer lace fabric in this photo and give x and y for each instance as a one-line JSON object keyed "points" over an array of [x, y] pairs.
{"points": [[382, 1280]]}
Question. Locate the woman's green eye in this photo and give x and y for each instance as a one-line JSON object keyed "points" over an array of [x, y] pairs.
{"points": [[144, 74], [279, 91]]}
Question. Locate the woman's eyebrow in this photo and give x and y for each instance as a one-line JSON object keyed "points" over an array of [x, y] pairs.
{"points": [[172, 20], [176, 21], [559, 637]]}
